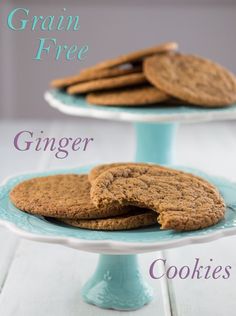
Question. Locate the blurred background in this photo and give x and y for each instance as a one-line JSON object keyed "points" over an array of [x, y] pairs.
{"points": [[109, 28]]}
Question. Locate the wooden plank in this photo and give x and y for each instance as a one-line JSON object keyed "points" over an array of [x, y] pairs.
{"points": [[8, 244], [210, 147], [15, 162], [46, 280], [211, 297]]}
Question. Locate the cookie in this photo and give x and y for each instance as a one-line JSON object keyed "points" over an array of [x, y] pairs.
{"points": [[132, 220], [143, 95], [183, 201], [192, 79], [99, 74], [108, 83], [65, 196], [134, 56], [96, 171]]}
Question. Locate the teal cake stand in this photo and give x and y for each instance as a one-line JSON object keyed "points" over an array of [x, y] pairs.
{"points": [[155, 125], [117, 282]]}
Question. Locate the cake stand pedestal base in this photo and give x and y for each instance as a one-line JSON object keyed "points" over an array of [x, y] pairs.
{"points": [[155, 142], [117, 284]]}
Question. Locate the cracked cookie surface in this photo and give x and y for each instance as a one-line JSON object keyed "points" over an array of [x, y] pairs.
{"points": [[192, 79], [66, 196], [96, 171], [183, 201]]}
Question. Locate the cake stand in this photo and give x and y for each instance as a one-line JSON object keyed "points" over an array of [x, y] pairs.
{"points": [[155, 125], [117, 282]]}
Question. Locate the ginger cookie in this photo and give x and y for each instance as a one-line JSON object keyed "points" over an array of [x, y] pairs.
{"points": [[134, 56], [108, 83], [66, 196], [183, 201], [99, 74], [143, 95], [96, 171], [192, 79], [136, 219]]}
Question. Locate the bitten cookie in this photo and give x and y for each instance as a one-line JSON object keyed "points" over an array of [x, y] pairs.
{"points": [[143, 95], [108, 83], [132, 220], [192, 79], [99, 74], [183, 201], [134, 56], [66, 196]]}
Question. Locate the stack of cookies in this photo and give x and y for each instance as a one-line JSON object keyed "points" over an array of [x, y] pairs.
{"points": [[123, 196], [156, 75]]}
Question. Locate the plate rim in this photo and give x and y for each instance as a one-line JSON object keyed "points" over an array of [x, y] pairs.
{"points": [[133, 117]]}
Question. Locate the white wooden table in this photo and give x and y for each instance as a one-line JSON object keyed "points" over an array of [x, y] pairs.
{"points": [[45, 280]]}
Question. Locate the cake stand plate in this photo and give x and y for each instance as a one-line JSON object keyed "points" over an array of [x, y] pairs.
{"points": [[117, 282], [155, 125]]}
